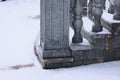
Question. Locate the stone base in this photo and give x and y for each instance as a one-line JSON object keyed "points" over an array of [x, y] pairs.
{"points": [[100, 39], [56, 53], [50, 63], [85, 54], [79, 58], [82, 54]]}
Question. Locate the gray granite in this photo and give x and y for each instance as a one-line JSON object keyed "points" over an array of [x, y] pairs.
{"points": [[114, 27], [98, 40], [53, 48], [55, 28], [49, 63], [97, 12]]}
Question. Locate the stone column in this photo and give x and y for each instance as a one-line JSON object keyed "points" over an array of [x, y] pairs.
{"points": [[55, 21]]}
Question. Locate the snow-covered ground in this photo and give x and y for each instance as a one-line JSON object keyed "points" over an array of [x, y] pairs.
{"points": [[18, 29], [103, 71], [19, 26]]}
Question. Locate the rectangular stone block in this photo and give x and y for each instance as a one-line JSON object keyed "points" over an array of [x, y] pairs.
{"points": [[80, 51], [85, 54], [50, 63]]}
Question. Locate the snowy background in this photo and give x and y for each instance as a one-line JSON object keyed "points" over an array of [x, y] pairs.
{"points": [[19, 26]]}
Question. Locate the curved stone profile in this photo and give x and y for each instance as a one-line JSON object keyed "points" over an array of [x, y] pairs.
{"points": [[97, 13], [77, 22]]}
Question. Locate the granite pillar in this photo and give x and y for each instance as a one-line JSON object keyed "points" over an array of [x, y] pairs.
{"points": [[55, 19]]}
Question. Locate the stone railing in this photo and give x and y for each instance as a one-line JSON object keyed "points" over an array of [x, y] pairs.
{"points": [[54, 48], [95, 11]]}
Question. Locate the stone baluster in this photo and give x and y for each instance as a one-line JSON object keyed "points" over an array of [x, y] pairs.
{"points": [[90, 7], [117, 10], [97, 13], [77, 22], [55, 21]]}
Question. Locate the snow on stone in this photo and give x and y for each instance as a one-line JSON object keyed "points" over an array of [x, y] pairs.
{"points": [[88, 27], [71, 33]]}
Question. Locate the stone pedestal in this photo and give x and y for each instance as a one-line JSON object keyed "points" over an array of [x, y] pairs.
{"points": [[54, 32], [99, 41]]}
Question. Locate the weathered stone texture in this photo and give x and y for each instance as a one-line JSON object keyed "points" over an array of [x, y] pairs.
{"points": [[55, 28]]}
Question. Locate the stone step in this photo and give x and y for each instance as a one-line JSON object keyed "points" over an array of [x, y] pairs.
{"points": [[49, 63], [98, 40], [84, 52], [103, 42]]}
